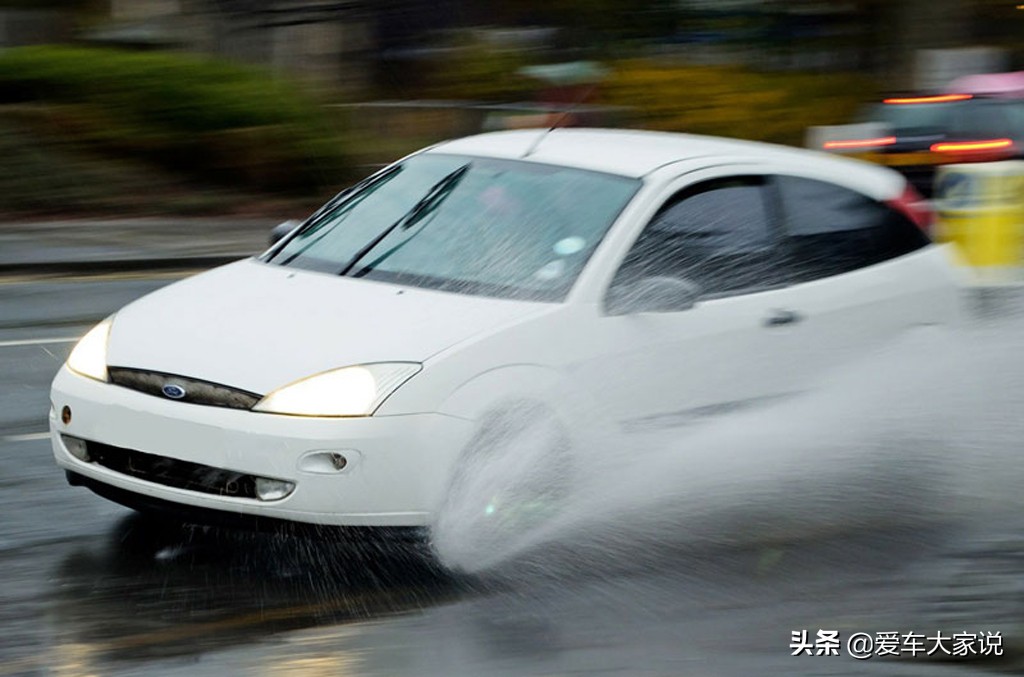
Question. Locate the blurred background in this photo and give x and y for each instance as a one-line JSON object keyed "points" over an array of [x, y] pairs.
{"points": [[198, 107]]}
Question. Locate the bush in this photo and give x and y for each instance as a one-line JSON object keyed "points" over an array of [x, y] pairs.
{"points": [[41, 177], [227, 122], [732, 101]]}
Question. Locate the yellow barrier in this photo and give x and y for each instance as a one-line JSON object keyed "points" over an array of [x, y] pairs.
{"points": [[980, 207]]}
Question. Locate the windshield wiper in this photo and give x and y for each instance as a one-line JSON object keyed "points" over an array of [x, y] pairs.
{"points": [[427, 204], [344, 202], [371, 181]]}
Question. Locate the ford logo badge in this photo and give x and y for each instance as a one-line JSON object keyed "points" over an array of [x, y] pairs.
{"points": [[173, 391]]}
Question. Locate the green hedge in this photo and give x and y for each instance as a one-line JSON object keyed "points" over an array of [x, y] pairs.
{"points": [[235, 124], [733, 101]]}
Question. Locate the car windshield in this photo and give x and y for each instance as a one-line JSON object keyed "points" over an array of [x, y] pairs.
{"points": [[503, 228], [917, 118], [974, 119]]}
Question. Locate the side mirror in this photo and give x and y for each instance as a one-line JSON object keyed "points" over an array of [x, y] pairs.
{"points": [[653, 295], [282, 229]]}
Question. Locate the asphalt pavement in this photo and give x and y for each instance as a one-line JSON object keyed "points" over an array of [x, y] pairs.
{"points": [[90, 588], [117, 245]]}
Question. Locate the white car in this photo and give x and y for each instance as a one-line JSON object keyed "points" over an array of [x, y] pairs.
{"points": [[594, 280]]}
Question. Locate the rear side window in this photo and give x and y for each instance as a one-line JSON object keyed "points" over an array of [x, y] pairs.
{"points": [[828, 229], [716, 234]]}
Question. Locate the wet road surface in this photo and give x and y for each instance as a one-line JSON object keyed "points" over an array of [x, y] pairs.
{"points": [[88, 587]]}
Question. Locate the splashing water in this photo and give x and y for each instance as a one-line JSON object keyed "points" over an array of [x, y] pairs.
{"points": [[927, 429]]}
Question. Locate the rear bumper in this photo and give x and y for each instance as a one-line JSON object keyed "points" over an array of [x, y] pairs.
{"points": [[918, 174], [921, 177], [397, 471]]}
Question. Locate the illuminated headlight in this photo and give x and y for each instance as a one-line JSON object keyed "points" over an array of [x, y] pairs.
{"points": [[350, 391], [89, 357]]}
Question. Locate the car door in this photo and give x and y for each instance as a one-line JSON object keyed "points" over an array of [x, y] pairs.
{"points": [[858, 272], [666, 368]]}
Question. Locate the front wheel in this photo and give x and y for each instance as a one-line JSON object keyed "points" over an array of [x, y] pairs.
{"points": [[512, 480]]}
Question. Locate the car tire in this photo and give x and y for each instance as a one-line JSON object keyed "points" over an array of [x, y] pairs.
{"points": [[512, 480]]}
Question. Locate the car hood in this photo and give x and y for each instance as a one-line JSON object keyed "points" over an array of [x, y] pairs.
{"points": [[257, 326]]}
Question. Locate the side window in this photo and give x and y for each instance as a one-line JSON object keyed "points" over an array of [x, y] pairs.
{"points": [[716, 234], [828, 229]]}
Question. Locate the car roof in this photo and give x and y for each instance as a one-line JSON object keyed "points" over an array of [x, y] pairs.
{"points": [[999, 85], [637, 153]]}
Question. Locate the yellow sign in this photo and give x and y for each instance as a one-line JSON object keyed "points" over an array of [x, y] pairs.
{"points": [[981, 208]]}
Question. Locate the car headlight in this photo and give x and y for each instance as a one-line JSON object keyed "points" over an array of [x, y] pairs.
{"points": [[350, 391], [89, 356]]}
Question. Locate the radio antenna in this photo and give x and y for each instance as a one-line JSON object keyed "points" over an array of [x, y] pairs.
{"points": [[559, 120]]}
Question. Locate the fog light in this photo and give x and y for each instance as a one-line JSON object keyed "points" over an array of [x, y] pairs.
{"points": [[273, 490], [77, 448], [65, 415]]}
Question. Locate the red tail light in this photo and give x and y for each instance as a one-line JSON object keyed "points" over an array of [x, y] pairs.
{"points": [[938, 98], [914, 207], [972, 146], [860, 143]]}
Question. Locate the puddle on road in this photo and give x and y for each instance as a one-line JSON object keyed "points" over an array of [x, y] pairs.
{"points": [[156, 590], [927, 429]]}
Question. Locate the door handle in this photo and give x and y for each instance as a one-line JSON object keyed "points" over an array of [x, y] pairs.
{"points": [[779, 317]]}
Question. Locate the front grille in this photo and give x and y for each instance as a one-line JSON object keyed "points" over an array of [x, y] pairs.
{"points": [[171, 472], [196, 391]]}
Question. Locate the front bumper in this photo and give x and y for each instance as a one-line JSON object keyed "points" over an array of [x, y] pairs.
{"points": [[398, 466]]}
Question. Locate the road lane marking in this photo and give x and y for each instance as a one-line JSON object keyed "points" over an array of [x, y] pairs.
{"points": [[28, 437], [37, 342], [33, 278]]}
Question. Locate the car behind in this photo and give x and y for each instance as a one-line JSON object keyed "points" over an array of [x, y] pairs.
{"points": [[923, 132]]}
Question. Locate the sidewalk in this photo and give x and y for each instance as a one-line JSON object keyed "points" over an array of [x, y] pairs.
{"points": [[98, 246]]}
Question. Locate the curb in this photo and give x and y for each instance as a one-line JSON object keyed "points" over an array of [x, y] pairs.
{"points": [[102, 266]]}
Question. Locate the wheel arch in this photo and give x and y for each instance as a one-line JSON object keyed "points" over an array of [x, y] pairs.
{"points": [[515, 386]]}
